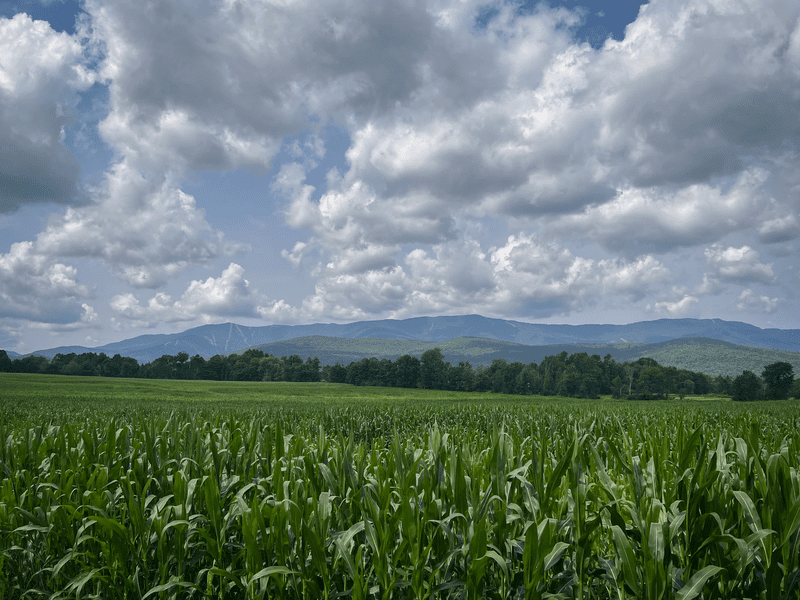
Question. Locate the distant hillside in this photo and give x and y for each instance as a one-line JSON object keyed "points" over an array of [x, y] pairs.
{"points": [[208, 340], [713, 357], [478, 351]]}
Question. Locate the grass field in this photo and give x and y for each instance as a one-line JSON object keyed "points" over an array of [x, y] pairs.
{"points": [[180, 489]]}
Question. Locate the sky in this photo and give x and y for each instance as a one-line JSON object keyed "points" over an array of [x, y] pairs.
{"points": [[171, 163]]}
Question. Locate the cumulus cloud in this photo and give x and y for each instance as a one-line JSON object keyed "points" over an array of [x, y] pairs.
{"points": [[89, 319], [637, 146], [750, 301], [659, 220], [146, 230], [781, 229], [41, 73], [596, 130], [674, 137], [739, 265], [33, 288], [524, 277], [676, 308], [226, 295]]}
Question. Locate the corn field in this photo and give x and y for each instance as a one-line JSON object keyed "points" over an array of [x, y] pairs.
{"points": [[365, 500]]}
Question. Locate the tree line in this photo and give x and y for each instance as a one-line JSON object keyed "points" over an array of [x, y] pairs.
{"points": [[574, 375]]}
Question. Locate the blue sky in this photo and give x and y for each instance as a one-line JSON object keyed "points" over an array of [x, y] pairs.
{"points": [[170, 163]]}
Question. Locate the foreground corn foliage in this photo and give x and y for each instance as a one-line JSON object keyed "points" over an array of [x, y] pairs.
{"points": [[418, 501]]}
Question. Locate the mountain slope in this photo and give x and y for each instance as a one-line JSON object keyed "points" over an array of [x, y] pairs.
{"points": [[705, 355], [715, 357], [208, 340]]}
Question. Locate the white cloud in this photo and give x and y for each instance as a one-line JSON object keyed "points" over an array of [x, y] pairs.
{"points": [[781, 229], [676, 308], [146, 230], [637, 146], [522, 278], [226, 295], [34, 288], [479, 159], [41, 72], [739, 265], [661, 220], [633, 278], [750, 301]]}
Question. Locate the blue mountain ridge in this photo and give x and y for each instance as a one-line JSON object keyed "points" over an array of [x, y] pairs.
{"points": [[224, 338]]}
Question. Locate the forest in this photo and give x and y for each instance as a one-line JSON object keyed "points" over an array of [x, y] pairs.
{"points": [[577, 375]]}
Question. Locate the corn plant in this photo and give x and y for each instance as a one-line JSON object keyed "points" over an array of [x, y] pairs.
{"points": [[364, 499]]}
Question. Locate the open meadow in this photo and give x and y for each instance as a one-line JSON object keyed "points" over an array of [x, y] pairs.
{"points": [[130, 488]]}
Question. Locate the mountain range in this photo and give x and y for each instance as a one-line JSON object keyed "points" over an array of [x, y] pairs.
{"points": [[709, 356], [208, 340]]}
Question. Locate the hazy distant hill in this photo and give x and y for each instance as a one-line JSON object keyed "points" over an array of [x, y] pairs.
{"points": [[208, 340], [713, 357], [478, 351]]}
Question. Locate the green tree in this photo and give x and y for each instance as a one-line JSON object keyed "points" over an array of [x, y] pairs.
{"points": [[550, 371], [272, 367], [746, 387], [406, 371], [5, 362], [310, 370], [216, 368], [292, 368], [183, 367], [119, 366], [617, 387], [528, 381], [30, 364], [334, 373], [569, 382], [197, 366], [590, 373], [778, 378], [432, 369], [652, 382]]}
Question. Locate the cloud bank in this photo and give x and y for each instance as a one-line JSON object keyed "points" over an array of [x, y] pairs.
{"points": [[498, 166]]}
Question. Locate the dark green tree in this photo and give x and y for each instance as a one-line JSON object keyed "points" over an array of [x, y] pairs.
{"points": [[310, 370], [432, 369], [183, 365], [197, 366], [550, 371], [746, 387], [273, 368], [528, 381], [652, 382], [335, 373], [292, 368], [30, 364], [462, 377], [406, 371], [5, 362], [778, 379], [216, 368], [569, 382], [497, 375]]}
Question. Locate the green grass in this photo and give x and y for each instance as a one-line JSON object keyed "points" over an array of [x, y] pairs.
{"points": [[178, 489]]}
